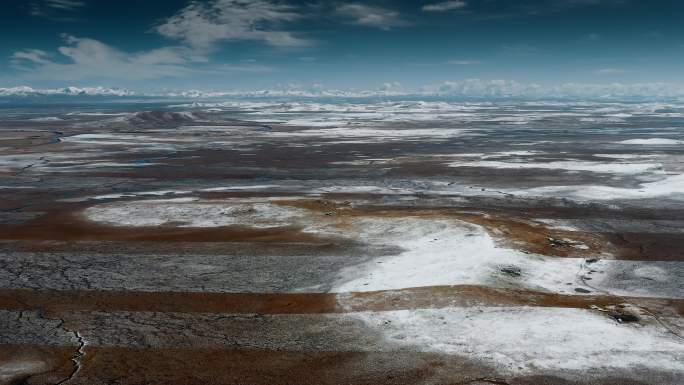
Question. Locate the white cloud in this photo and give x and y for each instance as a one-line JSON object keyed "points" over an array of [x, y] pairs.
{"points": [[370, 16], [461, 88], [609, 71], [92, 59], [66, 5], [203, 24], [464, 62], [512, 88], [480, 87], [55, 9], [31, 55], [199, 27], [65, 91], [445, 6], [247, 67], [619, 89], [391, 87]]}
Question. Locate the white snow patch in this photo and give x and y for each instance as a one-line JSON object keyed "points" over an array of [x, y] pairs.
{"points": [[671, 186], [654, 273], [79, 166], [611, 167], [513, 153], [652, 141], [604, 119], [122, 138], [627, 156], [47, 119], [556, 224], [448, 252], [239, 188], [374, 133], [363, 190], [364, 162], [99, 113], [434, 252], [12, 369], [189, 212], [523, 340]]}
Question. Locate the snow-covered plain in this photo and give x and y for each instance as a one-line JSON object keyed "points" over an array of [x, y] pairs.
{"points": [[190, 212], [435, 251], [671, 186], [653, 141], [602, 167], [528, 340], [480, 156]]}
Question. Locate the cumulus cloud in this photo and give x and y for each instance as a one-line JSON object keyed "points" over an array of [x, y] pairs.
{"points": [[88, 58], [203, 24], [198, 27], [656, 89], [370, 16], [445, 6], [482, 87], [391, 87]]}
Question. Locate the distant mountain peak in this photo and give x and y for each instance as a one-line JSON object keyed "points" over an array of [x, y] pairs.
{"points": [[26, 91]]}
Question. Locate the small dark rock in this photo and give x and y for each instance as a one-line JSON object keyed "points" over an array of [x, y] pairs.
{"points": [[624, 318], [558, 242], [581, 290], [512, 271]]}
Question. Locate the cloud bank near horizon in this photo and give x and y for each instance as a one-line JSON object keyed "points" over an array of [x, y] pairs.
{"points": [[469, 88]]}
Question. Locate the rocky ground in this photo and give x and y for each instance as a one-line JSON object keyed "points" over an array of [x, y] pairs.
{"points": [[303, 243]]}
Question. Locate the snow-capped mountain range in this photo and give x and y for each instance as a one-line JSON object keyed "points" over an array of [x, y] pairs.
{"points": [[66, 91], [477, 88]]}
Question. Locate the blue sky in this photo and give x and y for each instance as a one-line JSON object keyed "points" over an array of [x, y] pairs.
{"points": [[266, 44]]}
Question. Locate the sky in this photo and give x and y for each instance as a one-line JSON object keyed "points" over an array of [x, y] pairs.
{"points": [[369, 44]]}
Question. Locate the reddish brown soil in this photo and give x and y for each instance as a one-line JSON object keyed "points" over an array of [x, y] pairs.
{"points": [[52, 301], [68, 225], [65, 223], [510, 231], [166, 247], [215, 366], [648, 246]]}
